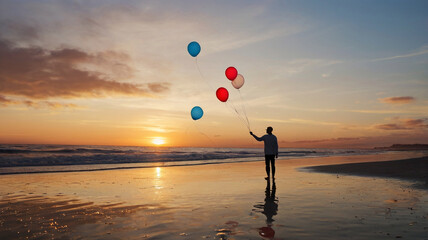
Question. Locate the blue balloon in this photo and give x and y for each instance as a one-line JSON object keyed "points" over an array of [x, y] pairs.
{"points": [[197, 112], [194, 49]]}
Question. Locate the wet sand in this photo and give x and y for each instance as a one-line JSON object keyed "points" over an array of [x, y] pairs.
{"points": [[222, 201], [414, 169]]}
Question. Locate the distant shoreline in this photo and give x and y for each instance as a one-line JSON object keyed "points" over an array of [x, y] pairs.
{"points": [[404, 147], [414, 169]]}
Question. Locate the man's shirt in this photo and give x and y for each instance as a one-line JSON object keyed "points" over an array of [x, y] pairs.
{"points": [[271, 143]]}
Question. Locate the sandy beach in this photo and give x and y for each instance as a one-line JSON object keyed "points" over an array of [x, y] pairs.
{"points": [[218, 201], [414, 169]]}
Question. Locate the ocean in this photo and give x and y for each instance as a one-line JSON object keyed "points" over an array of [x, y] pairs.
{"points": [[28, 158]]}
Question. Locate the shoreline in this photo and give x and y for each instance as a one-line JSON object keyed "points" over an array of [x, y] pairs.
{"points": [[93, 167], [412, 169]]}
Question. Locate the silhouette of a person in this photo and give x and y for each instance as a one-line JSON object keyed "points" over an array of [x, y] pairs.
{"points": [[269, 209], [271, 150]]}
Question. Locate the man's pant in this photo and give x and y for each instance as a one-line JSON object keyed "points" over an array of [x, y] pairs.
{"points": [[270, 160]]}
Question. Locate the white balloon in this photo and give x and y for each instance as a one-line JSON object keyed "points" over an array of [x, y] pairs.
{"points": [[238, 82]]}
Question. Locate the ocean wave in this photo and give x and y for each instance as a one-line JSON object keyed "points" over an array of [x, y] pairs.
{"points": [[112, 158], [44, 156]]}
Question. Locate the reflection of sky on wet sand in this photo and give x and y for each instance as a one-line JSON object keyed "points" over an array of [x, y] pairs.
{"points": [[270, 205], [157, 180], [217, 201]]}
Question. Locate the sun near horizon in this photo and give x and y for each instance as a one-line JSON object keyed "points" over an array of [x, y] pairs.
{"points": [[158, 141]]}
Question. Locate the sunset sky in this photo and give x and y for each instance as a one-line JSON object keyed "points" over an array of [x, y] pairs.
{"points": [[334, 74]]}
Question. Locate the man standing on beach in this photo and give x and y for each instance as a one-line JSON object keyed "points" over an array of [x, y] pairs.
{"points": [[271, 150]]}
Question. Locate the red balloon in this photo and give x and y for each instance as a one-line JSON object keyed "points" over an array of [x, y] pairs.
{"points": [[231, 73], [222, 94]]}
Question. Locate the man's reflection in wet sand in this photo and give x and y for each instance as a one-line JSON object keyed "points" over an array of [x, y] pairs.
{"points": [[269, 209]]}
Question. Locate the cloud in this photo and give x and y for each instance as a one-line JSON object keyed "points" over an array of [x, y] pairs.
{"points": [[14, 28], [404, 124], [341, 142], [299, 121], [421, 51], [312, 122], [141, 23], [397, 100], [385, 111], [300, 65], [390, 126], [328, 140], [37, 104], [361, 141], [240, 40], [4, 100], [34, 73]]}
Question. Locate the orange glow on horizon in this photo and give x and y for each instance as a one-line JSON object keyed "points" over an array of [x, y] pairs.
{"points": [[158, 141]]}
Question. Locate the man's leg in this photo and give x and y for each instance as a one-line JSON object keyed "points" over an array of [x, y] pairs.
{"points": [[267, 163], [273, 166]]}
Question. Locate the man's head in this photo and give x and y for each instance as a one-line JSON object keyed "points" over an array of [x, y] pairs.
{"points": [[269, 130]]}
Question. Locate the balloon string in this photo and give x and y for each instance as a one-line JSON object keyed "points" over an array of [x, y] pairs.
{"points": [[197, 128], [233, 109], [202, 75], [237, 113], [243, 108], [246, 122]]}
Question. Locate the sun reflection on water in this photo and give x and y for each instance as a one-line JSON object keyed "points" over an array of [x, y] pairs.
{"points": [[158, 181], [158, 172]]}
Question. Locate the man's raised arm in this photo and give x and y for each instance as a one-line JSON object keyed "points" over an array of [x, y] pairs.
{"points": [[257, 138]]}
